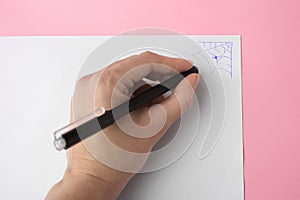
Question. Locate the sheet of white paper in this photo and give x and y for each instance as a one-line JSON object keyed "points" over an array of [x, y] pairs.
{"points": [[38, 75]]}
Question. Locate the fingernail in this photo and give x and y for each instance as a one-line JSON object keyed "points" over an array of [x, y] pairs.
{"points": [[190, 61]]}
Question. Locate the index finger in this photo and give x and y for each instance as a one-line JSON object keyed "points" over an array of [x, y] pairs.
{"points": [[146, 63], [148, 57]]}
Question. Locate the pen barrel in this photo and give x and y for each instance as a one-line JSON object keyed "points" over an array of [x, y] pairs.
{"points": [[96, 124], [151, 94]]}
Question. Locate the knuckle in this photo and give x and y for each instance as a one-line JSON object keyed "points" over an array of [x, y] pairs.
{"points": [[111, 75], [151, 57], [148, 54], [82, 81]]}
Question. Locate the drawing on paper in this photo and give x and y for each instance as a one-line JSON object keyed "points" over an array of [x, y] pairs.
{"points": [[221, 54]]}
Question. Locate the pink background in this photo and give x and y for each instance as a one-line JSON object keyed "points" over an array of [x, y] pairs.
{"points": [[270, 56]]}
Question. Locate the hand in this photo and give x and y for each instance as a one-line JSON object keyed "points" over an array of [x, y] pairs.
{"points": [[106, 161]]}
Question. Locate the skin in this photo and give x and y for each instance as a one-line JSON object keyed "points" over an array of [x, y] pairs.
{"points": [[86, 177]]}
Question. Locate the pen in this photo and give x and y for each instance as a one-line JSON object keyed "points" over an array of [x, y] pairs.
{"points": [[68, 136]]}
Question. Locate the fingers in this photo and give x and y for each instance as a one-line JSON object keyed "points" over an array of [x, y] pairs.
{"points": [[181, 100], [149, 62], [177, 64]]}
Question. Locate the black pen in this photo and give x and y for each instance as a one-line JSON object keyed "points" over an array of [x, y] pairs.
{"points": [[69, 135]]}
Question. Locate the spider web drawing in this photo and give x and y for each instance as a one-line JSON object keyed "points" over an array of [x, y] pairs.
{"points": [[221, 54]]}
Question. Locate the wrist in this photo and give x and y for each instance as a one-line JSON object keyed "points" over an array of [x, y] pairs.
{"points": [[80, 186], [96, 183], [86, 186], [86, 170], [84, 164]]}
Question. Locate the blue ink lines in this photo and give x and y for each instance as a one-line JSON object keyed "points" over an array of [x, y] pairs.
{"points": [[221, 54]]}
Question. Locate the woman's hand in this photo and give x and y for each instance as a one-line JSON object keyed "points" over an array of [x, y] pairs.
{"points": [[100, 166]]}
